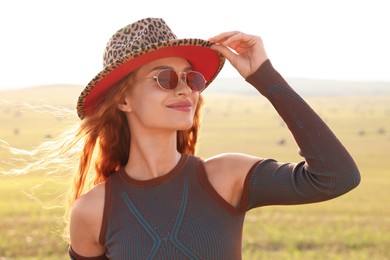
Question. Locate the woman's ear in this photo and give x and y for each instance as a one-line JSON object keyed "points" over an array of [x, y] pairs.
{"points": [[124, 105]]}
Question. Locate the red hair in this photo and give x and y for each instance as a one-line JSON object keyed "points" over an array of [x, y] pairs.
{"points": [[107, 140]]}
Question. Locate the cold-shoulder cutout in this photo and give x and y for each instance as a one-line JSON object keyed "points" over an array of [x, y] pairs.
{"points": [[227, 172], [86, 221]]}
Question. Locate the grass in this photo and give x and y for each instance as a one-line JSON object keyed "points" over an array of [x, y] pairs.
{"points": [[354, 226], [31, 217]]}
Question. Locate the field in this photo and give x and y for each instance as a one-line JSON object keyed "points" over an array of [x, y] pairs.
{"points": [[354, 226]]}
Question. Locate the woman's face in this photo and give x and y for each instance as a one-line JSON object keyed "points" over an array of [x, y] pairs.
{"points": [[149, 107]]}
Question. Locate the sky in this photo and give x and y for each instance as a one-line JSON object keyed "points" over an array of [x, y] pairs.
{"points": [[61, 42]]}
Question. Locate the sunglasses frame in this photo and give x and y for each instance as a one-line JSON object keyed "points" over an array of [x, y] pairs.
{"points": [[156, 78]]}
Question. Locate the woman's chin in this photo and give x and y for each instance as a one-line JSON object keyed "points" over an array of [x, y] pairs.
{"points": [[183, 127]]}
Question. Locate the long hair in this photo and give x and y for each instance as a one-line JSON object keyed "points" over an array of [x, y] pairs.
{"points": [[92, 149], [107, 140]]}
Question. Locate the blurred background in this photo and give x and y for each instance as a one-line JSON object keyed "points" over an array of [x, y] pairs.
{"points": [[334, 53]]}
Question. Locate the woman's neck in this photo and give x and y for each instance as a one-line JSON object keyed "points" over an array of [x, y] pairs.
{"points": [[152, 156]]}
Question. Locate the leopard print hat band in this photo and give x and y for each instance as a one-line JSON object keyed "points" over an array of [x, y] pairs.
{"points": [[139, 43]]}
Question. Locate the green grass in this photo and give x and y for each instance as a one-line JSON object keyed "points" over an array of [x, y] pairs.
{"points": [[354, 226], [31, 217]]}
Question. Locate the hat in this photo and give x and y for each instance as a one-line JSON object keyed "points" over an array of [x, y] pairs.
{"points": [[139, 43]]}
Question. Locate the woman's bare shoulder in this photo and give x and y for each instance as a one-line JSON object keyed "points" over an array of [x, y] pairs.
{"points": [[230, 162], [86, 220], [227, 172], [93, 199]]}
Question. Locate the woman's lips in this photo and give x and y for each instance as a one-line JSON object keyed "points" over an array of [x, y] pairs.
{"points": [[181, 106]]}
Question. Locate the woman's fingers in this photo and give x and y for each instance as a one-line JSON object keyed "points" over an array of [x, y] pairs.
{"points": [[244, 51]]}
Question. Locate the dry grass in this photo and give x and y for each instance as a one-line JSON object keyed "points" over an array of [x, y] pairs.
{"points": [[355, 226]]}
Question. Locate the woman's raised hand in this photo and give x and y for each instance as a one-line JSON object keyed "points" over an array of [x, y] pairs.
{"points": [[244, 51]]}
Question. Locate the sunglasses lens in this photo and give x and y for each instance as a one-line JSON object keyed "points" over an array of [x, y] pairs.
{"points": [[168, 79], [195, 81]]}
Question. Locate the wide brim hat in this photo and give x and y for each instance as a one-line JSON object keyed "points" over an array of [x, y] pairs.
{"points": [[139, 43]]}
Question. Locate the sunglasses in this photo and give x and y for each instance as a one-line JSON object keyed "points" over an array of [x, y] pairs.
{"points": [[168, 79]]}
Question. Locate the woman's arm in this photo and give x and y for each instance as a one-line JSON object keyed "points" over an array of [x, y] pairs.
{"points": [[328, 170], [85, 225]]}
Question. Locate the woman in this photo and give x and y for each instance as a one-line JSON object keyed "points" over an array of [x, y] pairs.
{"points": [[153, 198]]}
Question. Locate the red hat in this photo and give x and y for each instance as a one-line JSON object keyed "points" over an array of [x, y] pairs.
{"points": [[139, 43]]}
